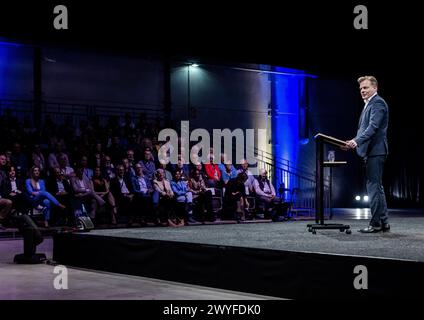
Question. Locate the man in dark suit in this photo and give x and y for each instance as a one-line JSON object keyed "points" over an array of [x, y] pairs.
{"points": [[371, 145], [61, 189], [12, 188]]}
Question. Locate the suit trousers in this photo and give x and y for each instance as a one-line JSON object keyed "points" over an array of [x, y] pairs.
{"points": [[374, 174]]}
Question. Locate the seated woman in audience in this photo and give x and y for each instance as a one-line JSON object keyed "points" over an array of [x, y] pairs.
{"points": [[235, 200], [101, 188], [38, 196]]}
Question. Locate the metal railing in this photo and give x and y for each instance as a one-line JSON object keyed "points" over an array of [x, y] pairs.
{"points": [[295, 185], [58, 111]]}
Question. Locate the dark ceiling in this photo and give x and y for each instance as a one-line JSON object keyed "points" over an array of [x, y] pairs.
{"points": [[317, 37]]}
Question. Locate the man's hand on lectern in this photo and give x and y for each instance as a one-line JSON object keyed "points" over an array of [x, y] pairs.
{"points": [[351, 144]]}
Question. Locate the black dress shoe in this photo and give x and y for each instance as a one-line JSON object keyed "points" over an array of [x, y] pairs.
{"points": [[370, 229], [386, 227]]}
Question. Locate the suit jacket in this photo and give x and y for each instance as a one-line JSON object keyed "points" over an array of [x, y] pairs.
{"points": [[53, 188], [115, 186], [6, 187], [30, 189], [136, 186], [372, 129]]}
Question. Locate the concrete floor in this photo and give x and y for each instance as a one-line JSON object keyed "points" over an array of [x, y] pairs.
{"points": [[36, 282]]}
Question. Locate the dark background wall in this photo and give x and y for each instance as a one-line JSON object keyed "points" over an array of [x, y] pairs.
{"points": [[98, 78], [334, 109], [222, 97]]}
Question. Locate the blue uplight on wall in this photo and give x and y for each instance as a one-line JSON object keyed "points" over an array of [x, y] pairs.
{"points": [[286, 98], [5, 52], [3, 58]]}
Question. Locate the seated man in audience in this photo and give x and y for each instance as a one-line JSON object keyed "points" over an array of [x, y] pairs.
{"points": [[5, 209], [163, 166], [84, 192], [244, 168], [3, 167], [144, 194], [202, 198], [88, 172], [213, 174], [183, 196], [53, 158], [131, 160], [182, 167], [266, 196], [108, 169], [58, 186], [19, 158], [129, 170], [122, 191], [164, 203], [148, 164], [13, 188], [228, 172], [221, 165], [65, 169]]}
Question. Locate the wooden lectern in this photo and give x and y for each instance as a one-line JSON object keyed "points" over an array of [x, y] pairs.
{"points": [[320, 140]]}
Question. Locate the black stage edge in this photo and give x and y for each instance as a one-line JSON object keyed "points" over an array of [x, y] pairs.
{"points": [[285, 274]]}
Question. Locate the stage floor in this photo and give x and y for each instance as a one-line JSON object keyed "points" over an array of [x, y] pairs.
{"points": [[280, 259], [404, 241]]}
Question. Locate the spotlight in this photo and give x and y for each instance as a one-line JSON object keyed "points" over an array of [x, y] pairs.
{"points": [[194, 65], [366, 198], [357, 198]]}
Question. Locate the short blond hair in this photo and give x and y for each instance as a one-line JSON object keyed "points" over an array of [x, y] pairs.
{"points": [[372, 79]]}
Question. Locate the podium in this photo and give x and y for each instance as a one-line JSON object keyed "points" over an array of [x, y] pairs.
{"points": [[321, 140]]}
